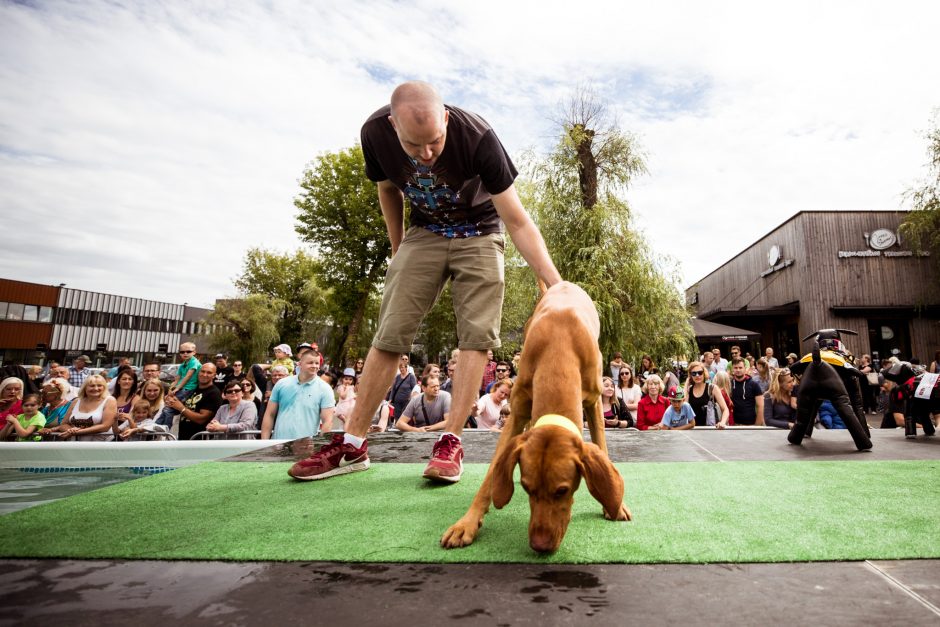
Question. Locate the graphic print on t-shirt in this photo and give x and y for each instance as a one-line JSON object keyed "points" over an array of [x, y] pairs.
{"points": [[427, 195]]}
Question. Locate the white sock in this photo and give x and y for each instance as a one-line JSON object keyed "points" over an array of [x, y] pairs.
{"points": [[351, 439], [451, 434]]}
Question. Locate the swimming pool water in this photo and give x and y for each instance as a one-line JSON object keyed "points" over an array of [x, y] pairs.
{"points": [[28, 487]]}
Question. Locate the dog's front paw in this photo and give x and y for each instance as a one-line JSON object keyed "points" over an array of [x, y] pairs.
{"points": [[623, 514], [461, 533]]}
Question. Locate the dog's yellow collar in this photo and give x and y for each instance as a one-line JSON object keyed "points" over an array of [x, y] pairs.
{"points": [[558, 421]]}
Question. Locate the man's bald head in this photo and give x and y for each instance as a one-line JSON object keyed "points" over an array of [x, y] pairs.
{"points": [[417, 101], [420, 120]]}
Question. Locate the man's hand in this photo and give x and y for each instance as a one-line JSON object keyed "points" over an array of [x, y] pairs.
{"points": [[215, 425], [173, 403]]}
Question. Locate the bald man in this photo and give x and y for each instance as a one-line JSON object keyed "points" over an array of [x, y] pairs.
{"points": [[454, 172]]}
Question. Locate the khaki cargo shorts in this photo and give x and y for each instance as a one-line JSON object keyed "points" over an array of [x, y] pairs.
{"points": [[417, 275]]}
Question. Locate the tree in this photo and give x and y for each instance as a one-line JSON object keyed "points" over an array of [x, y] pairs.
{"points": [[289, 280], [339, 215], [922, 225], [248, 326], [588, 228]]}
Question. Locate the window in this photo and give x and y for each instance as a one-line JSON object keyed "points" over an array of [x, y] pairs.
{"points": [[3, 309], [15, 312], [45, 314], [31, 313]]}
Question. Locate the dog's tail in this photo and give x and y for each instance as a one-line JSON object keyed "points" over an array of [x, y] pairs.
{"points": [[542, 288], [816, 353]]}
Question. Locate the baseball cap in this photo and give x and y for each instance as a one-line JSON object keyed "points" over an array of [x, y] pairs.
{"points": [[676, 395], [349, 372], [284, 348]]}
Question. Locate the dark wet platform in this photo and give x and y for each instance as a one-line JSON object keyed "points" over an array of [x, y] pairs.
{"points": [[905, 592]]}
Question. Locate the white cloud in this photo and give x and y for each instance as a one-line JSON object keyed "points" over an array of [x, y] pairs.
{"points": [[144, 147]]}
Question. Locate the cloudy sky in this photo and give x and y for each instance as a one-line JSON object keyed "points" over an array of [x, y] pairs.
{"points": [[145, 146]]}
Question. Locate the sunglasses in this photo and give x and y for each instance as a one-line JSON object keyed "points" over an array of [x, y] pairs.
{"points": [[502, 370], [697, 373], [237, 363], [186, 352], [783, 371], [234, 391]]}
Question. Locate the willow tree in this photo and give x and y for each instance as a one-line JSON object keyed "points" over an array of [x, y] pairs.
{"points": [[577, 198], [288, 280], [339, 215], [922, 225], [247, 327]]}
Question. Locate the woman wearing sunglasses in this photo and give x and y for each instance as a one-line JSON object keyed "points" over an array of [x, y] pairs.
{"points": [[628, 390], [701, 393]]}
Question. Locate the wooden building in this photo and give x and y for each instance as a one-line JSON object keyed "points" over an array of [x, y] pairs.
{"points": [[828, 269]]}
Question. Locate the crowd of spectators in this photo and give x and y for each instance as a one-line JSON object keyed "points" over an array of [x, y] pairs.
{"points": [[297, 395]]}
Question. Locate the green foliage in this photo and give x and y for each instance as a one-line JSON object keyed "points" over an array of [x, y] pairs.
{"points": [[593, 242], [922, 225], [339, 214], [249, 326], [289, 280]]}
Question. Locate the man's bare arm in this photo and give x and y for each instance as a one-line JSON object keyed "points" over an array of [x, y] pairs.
{"points": [[525, 235], [392, 202]]}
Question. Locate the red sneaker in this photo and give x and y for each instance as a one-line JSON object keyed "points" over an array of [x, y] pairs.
{"points": [[446, 460], [335, 458]]}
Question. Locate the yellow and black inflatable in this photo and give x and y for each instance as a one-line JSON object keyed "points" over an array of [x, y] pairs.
{"points": [[827, 373]]}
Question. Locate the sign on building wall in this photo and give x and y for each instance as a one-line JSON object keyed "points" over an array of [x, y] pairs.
{"points": [[775, 260], [880, 242]]}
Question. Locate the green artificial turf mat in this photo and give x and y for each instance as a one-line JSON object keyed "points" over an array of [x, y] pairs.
{"points": [[683, 512]]}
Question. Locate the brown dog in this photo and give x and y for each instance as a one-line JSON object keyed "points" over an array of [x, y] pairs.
{"points": [[559, 379]]}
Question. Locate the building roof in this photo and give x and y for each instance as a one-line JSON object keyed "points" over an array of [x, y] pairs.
{"points": [[705, 330]]}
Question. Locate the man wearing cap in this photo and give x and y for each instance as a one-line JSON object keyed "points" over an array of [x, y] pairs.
{"points": [[458, 180], [78, 371], [223, 372], [680, 415]]}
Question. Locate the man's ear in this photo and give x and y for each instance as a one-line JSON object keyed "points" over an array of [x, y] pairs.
{"points": [[504, 465], [603, 480]]}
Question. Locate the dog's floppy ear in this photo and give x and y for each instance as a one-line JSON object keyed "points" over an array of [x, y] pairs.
{"points": [[504, 465], [603, 481]]}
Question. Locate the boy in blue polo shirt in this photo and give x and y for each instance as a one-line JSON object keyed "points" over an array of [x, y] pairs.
{"points": [[679, 415]]}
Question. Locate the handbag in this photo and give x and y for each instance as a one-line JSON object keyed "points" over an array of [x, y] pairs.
{"points": [[873, 378], [711, 410]]}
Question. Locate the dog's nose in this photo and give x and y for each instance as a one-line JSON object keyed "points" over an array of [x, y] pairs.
{"points": [[542, 543]]}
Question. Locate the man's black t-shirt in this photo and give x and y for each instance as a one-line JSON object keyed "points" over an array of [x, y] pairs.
{"points": [[202, 398], [223, 376], [453, 196], [744, 396]]}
